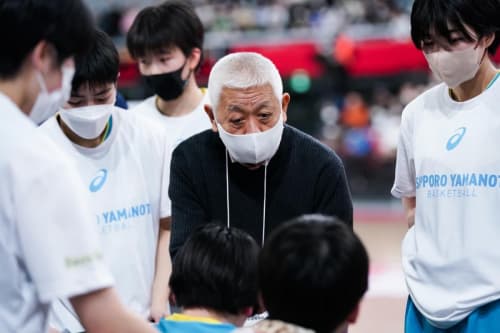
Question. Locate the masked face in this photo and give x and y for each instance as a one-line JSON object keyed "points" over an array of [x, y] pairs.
{"points": [[168, 86], [87, 122], [250, 123], [47, 104], [164, 71], [88, 109], [253, 148], [456, 58], [456, 67]]}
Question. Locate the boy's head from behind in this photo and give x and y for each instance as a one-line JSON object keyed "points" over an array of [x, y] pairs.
{"points": [[63, 25], [216, 270], [96, 74], [313, 272], [39, 39]]}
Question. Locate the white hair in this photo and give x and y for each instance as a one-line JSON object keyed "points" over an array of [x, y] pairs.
{"points": [[243, 70]]}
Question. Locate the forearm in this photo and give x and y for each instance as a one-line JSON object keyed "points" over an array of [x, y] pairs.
{"points": [[125, 322], [162, 274], [102, 312], [409, 204]]}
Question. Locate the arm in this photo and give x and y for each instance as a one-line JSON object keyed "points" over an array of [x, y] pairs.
{"points": [[163, 266], [187, 209], [409, 204], [404, 179], [333, 195], [101, 312], [159, 297], [61, 247]]}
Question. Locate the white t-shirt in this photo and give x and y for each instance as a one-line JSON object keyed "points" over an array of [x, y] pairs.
{"points": [[448, 159], [127, 178], [47, 247], [180, 128]]}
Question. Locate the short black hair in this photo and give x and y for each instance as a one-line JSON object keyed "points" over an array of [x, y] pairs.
{"points": [[435, 15], [172, 23], [99, 65], [65, 24], [313, 271], [216, 269]]}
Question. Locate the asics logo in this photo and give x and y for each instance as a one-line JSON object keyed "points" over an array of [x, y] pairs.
{"points": [[455, 139], [98, 181]]}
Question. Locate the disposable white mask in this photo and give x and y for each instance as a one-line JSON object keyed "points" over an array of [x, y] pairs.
{"points": [[253, 148], [87, 122], [47, 104], [455, 67]]}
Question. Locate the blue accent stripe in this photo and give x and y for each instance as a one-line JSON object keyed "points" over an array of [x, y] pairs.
{"points": [[109, 127], [493, 80]]}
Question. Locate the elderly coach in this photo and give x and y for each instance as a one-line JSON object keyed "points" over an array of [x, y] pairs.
{"points": [[252, 171]]}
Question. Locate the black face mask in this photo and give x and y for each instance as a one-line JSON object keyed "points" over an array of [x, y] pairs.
{"points": [[169, 85]]}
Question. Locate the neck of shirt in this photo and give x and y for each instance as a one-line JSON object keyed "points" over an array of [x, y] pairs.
{"points": [[490, 83], [183, 105]]}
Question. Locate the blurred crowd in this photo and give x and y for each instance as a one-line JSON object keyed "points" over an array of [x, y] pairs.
{"points": [[264, 15]]}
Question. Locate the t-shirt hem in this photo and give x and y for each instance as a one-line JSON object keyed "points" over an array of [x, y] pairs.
{"points": [[402, 194], [165, 214], [442, 322], [453, 316]]}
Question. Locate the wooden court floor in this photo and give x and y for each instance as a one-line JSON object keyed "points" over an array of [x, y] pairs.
{"points": [[382, 310]]}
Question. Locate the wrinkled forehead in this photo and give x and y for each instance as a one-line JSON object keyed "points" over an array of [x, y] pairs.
{"points": [[247, 98]]}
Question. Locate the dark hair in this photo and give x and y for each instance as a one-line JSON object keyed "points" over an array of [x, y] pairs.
{"points": [[100, 64], [216, 269], [313, 271], [65, 24], [436, 15], [173, 23]]}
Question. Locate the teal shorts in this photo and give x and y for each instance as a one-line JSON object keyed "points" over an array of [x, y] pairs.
{"points": [[485, 319]]}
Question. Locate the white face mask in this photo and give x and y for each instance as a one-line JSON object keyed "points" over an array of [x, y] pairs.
{"points": [[87, 122], [47, 104], [253, 148], [455, 67]]}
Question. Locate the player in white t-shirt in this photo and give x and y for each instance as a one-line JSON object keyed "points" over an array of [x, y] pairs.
{"points": [[123, 160], [448, 172], [167, 40], [48, 248]]}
